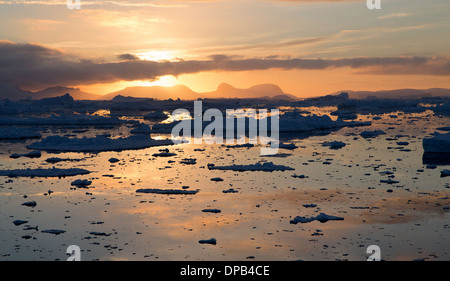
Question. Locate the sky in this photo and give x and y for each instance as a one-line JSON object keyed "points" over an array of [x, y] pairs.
{"points": [[308, 48]]}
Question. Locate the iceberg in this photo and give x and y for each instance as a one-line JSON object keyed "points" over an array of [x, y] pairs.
{"points": [[439, 143]]}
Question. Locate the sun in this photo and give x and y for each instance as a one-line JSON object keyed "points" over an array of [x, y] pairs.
{"points": [[157, 56]]}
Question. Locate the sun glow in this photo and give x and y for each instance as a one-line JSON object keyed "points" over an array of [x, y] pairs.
{"points": [[157, 56]]}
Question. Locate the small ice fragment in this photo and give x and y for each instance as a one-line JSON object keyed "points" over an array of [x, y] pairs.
{"points": [[211, 241], [81, 183], [53, 231], [211, 211], [30, 204], [19, 222], [445, 173], [167, 191]]}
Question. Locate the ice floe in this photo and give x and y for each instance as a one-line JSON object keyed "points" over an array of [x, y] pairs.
{"points": [[266, 167], [97, 144], [54, 172], [167, 191], [372, 134], [60, 120], [322, 217], [439, 143], [13, 133], [32, 154]]}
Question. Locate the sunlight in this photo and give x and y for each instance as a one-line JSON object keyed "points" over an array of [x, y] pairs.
{"points": [[164, 81], [157, 56]]}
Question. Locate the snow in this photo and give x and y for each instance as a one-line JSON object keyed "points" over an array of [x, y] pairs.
{"points": [[322, 217], [439, 143], [97, 144], [11, 133], [168, 191], [54, 172], [266, 167]]}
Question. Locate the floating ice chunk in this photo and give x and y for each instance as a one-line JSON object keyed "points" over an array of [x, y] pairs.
{"points": [[14, 133], [19, 222], [372, 134], [81, 183], [54, 160], [44, 172], [322, 217], [61, 120], [142, 129], [289, 146], [164, 154], [231, 190], [299, 123], [266, 167], [334, 144], [168, 191], [211, 241], [97, 144], [30, 204], [389, 181], [32, 154], [158, 114], [439, 143], [309, 205], [211, 211], [53, 231], [95, 233], [244, 145], [189, 161], [217, 179]]}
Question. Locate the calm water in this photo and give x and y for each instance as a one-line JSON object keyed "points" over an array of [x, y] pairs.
{"points": [[411, 222]]}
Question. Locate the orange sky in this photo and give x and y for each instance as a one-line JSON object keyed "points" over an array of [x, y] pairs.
{"points": [[258, 39]]}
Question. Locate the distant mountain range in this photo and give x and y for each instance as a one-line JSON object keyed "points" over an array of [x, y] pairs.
{"points": [[268, 91], [13, 92], [399, 93]]}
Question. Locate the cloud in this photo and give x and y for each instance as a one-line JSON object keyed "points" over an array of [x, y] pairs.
{"points": [[395, 15], [125, 57], [33, 65]]}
